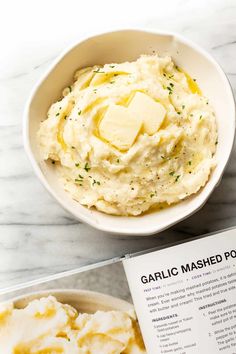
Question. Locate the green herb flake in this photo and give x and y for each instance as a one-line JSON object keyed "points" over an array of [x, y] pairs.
{"points": [[190, 163], [77, 180], [80, 176], [72, 147], [77, 164], [170, 90], [79, 112], [194, 80], [178, 112], [70, 89], [98, 71], [152, 195], [86, 167], [65, 117], [96, 182], [57, 114], [164, 74], [200, 117], [118, 160], [183, 106], [177, 178], [171, 85], [216, 142], [172, 173], [112, 66], [163, 157]]}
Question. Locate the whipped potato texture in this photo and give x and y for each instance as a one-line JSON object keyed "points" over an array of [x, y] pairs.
{"points": [[46, 326], [130, 137]]}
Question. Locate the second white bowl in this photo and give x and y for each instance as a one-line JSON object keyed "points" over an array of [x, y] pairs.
{"points": [[84, 301]]}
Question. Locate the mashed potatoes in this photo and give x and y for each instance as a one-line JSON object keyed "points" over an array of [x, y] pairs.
{"points": [[46, 326], [128, 137]]}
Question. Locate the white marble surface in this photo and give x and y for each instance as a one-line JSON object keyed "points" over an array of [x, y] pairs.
{"points": [[37, 237]]}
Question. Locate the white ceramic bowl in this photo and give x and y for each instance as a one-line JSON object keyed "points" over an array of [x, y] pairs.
{"points": [[84, 301], [121, 46]]}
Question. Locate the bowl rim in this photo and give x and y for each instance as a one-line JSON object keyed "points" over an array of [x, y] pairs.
{"points": [[153, 229], [34, 295]]}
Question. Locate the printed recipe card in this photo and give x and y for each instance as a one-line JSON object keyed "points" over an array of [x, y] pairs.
{"points": [[185, 295]]}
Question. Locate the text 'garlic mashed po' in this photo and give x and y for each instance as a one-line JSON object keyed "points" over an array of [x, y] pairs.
{"points": [[128, 137], [46, 326]]}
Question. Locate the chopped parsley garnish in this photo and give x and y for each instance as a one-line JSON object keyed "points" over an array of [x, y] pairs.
{"points": [[170, 90], [79, 181], [72, 147], [163, 157], [172, 173], [190, 163], [112, 66], [69, 87], [178, 112], [118, 160], [112, 82], [171, 85], [183, 106], [81, 177], [177, 178], [216, 142], [86, 167], [152, 195], [164, 74], [200, 117], [98, 71], [79, 112], [77, 164], [96, 182], [57, 114], [65, 117]]}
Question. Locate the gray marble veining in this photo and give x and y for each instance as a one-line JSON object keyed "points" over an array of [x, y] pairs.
{"points": [[37, 237]]}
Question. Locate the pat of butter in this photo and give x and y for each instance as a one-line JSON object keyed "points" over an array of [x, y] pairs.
{"points": [[120, 127], [149, 111]]}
